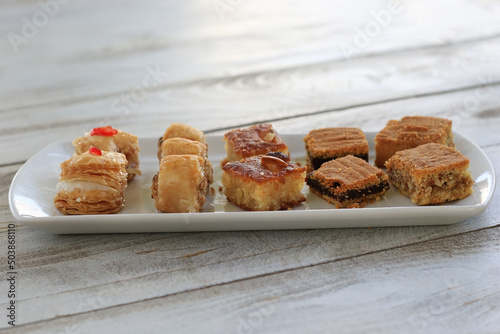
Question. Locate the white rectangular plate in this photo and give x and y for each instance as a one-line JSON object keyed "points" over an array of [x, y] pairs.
{"points": [[33, 189]]}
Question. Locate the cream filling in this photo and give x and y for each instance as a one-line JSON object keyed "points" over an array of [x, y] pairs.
{"points": [[81, 185]]}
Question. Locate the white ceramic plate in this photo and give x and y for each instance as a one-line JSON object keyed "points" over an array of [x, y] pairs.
{"points": [[33, 189]]}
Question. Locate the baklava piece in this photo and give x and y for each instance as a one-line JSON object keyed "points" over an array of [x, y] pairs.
{"points": [[255, 140], [431, 174], [327, 144], [92, 183], [410, 132], [348, 182], [264, 183], [180, 185], [179, 130], [113, 140], [181, 146]]}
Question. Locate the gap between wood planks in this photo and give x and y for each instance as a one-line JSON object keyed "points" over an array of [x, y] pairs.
{"points": [[340, 109], [326, 111], [10, 164], [81, 99], [259, 276]]}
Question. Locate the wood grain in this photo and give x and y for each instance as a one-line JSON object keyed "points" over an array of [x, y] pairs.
{"points": [[473, 117], [225, 103], [258, 61], [413, 299], [111, 57]]}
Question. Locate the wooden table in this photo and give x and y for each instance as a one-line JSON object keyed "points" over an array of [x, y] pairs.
{"points": [[67, 67]]}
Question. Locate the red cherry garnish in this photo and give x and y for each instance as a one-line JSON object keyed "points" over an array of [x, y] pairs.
{"points": [[103, 131], [94, 151]]}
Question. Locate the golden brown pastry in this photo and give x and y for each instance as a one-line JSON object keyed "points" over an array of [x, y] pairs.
{"points": [[327, 144], [180, 184], [255, 140], [178, 130], [264, 182], [92, 183], [431, 174], [112, 140], [348, 182], [410, 132], [181, 146]]}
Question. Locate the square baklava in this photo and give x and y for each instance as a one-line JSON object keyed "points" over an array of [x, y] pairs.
{"points": [[264, 182], [431, 174], [255, 140], [348, 182], [326, 144], [410, 132], [92, 183]]}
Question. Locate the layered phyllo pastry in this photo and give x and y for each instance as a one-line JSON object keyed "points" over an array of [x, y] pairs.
{"points": [[113, 140], [179, 130], [182, 146], [180, 185], [92, 183]]}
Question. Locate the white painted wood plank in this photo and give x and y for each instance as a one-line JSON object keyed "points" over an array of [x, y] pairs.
{"points": [[280, 94], [95, 49], [475, 114], [447, 285]]}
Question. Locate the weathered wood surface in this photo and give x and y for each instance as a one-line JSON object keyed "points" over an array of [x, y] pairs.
{"points": [[300, 68], [445, 285], [254, 62]]}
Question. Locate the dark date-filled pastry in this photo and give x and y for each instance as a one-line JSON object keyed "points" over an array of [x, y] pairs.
{"points": [[327, 144], [348, 182]]}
